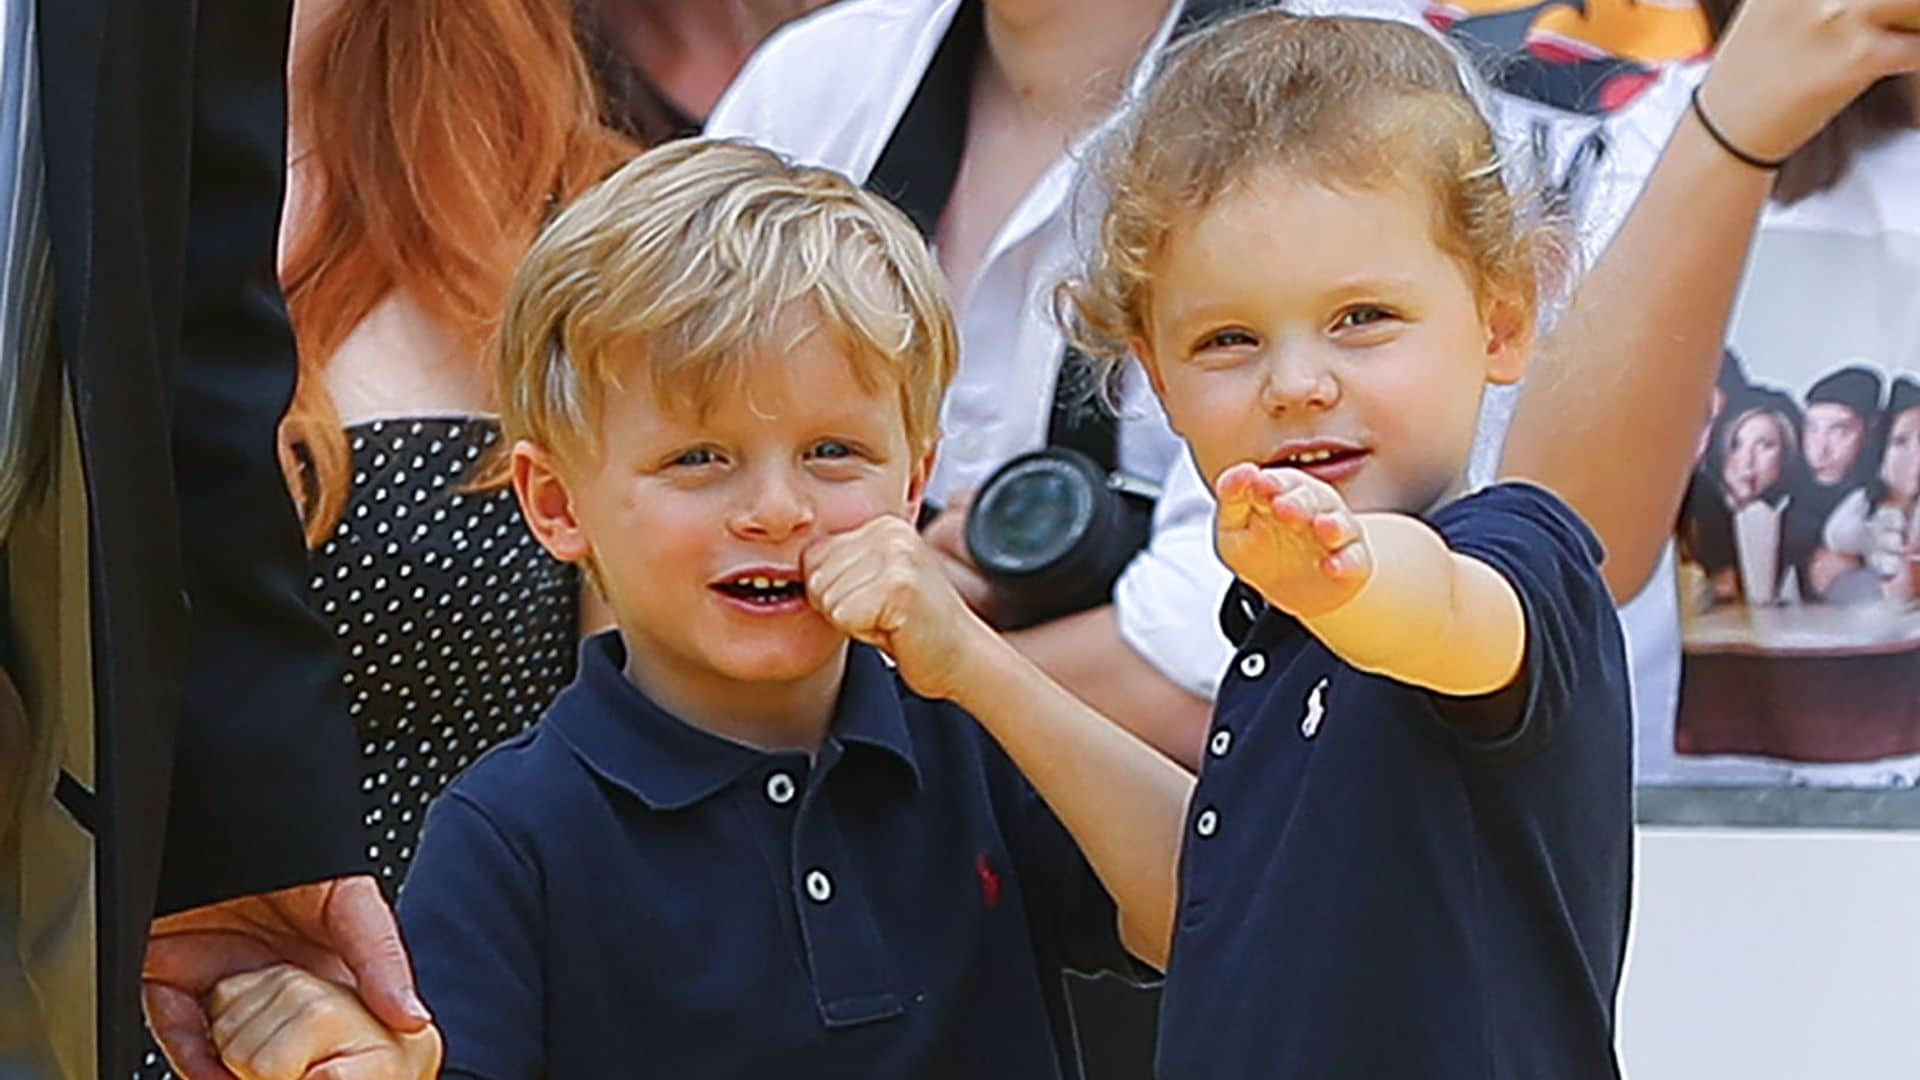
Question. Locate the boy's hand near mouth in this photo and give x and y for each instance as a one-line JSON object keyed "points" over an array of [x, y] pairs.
{"points": [[881, 585]]}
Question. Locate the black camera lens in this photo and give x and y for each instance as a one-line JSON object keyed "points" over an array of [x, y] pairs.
{"points": [[1030, 516], [1052, 531]]}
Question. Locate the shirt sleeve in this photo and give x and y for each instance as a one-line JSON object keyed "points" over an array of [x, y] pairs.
{"points": [[470, 914], [1552, 560], [1167, 600], [1071, 912]]}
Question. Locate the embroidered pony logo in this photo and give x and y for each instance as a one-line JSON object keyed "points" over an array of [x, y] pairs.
{"points": [[1316, 710], [989, 880]]}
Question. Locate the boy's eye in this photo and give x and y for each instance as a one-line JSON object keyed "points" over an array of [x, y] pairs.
{"points": [[1364, 315], [697, 457], [1228, 339], [833, 450]]}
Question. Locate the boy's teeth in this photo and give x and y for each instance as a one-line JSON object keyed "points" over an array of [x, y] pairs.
{"points": [[762, 583]]}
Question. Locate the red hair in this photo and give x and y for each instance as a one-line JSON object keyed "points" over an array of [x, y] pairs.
{"points": [[443, 134]]}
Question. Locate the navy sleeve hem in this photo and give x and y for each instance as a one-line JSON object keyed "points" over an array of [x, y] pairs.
{"points": [[1552, 560]]}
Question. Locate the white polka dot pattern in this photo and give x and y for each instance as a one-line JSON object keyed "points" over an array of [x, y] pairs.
{"points": [[460, 628]]}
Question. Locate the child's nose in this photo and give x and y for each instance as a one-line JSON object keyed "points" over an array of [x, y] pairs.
{"points": [[1296, 379], [775, 509]]}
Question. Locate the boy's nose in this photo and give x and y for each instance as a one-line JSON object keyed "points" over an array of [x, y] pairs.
{"points": [[1297, 380], [774, 510]]}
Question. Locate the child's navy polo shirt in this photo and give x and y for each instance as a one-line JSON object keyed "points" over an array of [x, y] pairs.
{"points": [[1368, 890], [617, 893]]}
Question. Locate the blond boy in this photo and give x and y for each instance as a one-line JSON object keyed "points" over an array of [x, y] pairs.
{"points": [[737, 845]]}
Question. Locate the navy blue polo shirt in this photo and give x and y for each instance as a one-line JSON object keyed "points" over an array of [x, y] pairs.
{"points": [[1367, 889], [618, 893]]}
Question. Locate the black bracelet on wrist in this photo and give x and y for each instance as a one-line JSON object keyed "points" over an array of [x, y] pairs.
{"points": [[1727, 144]]}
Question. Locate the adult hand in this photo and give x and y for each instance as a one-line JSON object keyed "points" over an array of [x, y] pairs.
{"points": [[340, 930], [947, 536], [1785, 67]]}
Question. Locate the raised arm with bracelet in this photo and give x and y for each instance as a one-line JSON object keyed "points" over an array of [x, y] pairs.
{"points": [[1633, 363]]}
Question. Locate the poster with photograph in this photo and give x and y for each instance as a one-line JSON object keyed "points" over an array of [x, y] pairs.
{"points": [[1799, 544], [1794, 594]]}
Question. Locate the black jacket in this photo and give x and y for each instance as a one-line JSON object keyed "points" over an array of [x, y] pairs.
{"points": [[223, 757]]}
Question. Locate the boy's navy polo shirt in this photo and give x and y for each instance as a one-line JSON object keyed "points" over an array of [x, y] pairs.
{"points": [[1368, 890], [617, 893]]}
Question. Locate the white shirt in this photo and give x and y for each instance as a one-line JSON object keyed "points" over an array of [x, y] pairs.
{"points": [[829, 90]]}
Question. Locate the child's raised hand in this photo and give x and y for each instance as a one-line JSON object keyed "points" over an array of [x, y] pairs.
{"points": [[882, 585], [282, 1023], [1292, 537]]}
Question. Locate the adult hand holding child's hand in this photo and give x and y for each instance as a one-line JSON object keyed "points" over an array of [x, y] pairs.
{"points": [[881, 584], [1292, 537], [283, 1023]]}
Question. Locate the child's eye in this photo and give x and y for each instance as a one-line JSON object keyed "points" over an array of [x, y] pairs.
{"points": [[695, 458], [1364, 315], [1228, 339], [833, 450]]}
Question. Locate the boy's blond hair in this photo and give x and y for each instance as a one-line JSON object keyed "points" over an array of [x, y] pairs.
{"points": [[680, 265]]}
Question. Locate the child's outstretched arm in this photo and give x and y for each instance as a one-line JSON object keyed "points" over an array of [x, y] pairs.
{"points": [[1383, 591], [282, 1023], [1123, 801]]}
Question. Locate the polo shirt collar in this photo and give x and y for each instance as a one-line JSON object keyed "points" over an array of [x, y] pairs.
{"points": [[669, 764]]}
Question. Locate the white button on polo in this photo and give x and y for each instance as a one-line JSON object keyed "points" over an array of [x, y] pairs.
{"points": [[780, 789], [1221, 742], [1207, 823], [819, 886], [1253, 665]]}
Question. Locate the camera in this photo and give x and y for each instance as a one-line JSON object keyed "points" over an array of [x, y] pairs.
{"points": [[1052, 530]]}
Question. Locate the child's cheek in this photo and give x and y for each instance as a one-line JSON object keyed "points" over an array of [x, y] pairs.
{"points": [[854, 505]]}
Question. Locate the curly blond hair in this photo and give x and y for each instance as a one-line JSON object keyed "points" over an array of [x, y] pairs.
{"points": [[1343, 100]]}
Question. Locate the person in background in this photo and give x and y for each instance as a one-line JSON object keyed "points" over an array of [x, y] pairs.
{"points": [[189, 753], [1760, 472], [400, 232], [1893, 548], [662, 64], [1841, 426]]}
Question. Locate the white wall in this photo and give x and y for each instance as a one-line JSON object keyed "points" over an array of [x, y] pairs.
{"points": [[1767, 955]]}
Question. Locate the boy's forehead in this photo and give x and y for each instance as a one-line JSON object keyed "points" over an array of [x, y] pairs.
{"points": [[800, 366]]}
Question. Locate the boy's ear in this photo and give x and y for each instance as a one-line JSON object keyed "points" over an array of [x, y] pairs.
{"points": [[546, 503], [1510, 330], [917, 482], [1143, 352]]}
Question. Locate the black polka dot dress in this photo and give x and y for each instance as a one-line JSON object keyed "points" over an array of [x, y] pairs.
{"points": [[458, 628]]}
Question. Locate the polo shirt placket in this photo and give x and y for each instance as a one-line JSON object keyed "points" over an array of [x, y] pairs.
{"points": [[618, 890], [853, 981]]}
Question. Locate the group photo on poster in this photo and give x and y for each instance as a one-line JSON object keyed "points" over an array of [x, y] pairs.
{"points": [[1798, 546]]}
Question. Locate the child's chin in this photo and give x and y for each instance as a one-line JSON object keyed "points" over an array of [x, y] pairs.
{"points": [[785, 657]]}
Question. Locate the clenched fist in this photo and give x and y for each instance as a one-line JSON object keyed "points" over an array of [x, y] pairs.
{"points": [[881, 584]]}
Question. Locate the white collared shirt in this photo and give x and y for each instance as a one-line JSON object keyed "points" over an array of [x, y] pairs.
{"points": [[829, 90]]}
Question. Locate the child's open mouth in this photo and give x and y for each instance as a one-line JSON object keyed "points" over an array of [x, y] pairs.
{"points": [[769, 592], [1330, 462]]}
